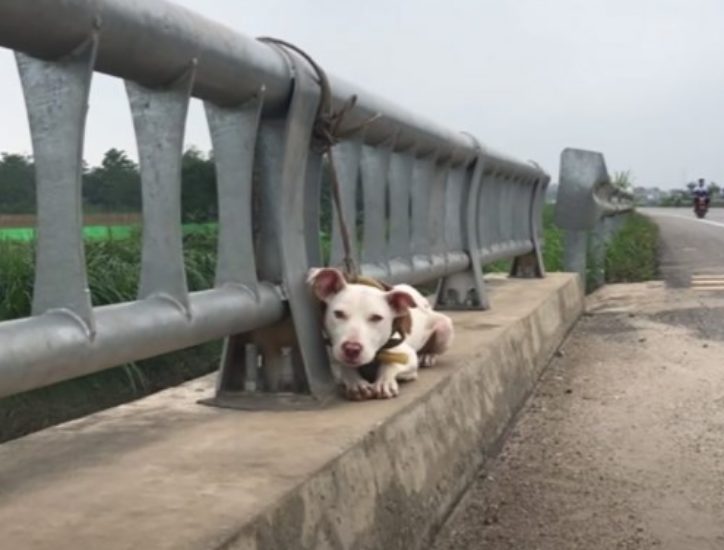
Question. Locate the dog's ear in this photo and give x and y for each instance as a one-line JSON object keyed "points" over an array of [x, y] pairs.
{"points": [[400, 302], [325, 282]]}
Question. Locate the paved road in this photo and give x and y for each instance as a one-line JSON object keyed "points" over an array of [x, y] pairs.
{"points": [[622, 444], [692, 250]]}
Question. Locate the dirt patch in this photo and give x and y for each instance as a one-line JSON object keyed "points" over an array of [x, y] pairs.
{"points": [[705, 323]]}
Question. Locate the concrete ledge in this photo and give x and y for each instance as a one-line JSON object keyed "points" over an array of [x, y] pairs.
{"points": [[165, 473]]}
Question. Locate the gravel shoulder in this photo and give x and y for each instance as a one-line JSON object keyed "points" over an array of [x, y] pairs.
{"points": [[621, 446]]}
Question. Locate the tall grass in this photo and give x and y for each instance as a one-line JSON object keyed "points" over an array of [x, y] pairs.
{"points": [[552, 247], [113, 268], [16, 279], [632, 253], [552, 241], [631, 256]]}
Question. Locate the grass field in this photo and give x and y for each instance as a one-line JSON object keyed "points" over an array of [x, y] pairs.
{"points": [[632, 255], [97, 232]]}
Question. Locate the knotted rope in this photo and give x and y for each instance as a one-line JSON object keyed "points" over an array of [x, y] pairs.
{"points": [[327, 132]]}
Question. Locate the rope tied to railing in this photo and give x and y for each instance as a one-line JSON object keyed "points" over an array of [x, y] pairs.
{"points": [[327, 132]]}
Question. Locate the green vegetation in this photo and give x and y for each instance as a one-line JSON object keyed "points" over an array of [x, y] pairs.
{"points": [[623, 180], [113, 268], [631, 256], [675, 201], [99, 232], [552, 241], [552, 247], [114, 186]]}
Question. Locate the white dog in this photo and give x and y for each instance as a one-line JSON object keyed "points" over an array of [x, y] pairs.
{"points": [[392, 329]]}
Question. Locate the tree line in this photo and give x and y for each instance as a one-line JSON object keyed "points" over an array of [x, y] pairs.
{"points": [[113, 186]]}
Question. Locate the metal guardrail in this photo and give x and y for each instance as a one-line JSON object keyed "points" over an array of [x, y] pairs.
{"points": [[588, 205], [437, 206]]}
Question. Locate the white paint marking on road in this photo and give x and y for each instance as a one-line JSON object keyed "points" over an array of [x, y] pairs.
{"points": [[707, 282]]}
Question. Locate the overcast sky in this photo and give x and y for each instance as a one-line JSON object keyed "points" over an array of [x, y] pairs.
{"points": [[640, 80]]}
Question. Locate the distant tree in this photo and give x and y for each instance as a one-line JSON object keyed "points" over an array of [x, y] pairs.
{"points": [[714, 189], [114, 186], [672, 200], [198, 187], [17, 184], [691, 186]]}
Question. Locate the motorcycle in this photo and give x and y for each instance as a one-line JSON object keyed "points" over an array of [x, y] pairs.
{"points": [[701, 206]]}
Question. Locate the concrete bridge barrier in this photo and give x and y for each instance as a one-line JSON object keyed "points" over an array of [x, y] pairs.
{"points": [[167, 474]]}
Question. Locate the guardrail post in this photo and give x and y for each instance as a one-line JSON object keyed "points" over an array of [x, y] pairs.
{"points": [[466, 290], [531, 264], [159, 119], [588, 206], [294, 360], [599, 240], [56, 96], [575, 248]]}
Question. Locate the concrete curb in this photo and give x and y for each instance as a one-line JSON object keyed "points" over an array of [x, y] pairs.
{"points": [[394, 488], [357, 476]]}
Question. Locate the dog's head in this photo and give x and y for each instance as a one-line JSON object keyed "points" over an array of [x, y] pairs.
{"points": [[358, 318]]}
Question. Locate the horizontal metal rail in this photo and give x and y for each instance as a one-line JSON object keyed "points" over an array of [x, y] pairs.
{"points": [[50, 348], [438, 205]]}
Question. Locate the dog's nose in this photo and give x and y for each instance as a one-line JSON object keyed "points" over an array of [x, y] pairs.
{"points": [[352, 350]]}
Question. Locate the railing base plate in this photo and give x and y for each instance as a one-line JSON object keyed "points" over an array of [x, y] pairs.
{"points": [[248, 401]]}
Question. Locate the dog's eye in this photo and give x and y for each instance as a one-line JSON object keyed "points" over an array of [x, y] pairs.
{"points": [[375, 318], [339, 314]]}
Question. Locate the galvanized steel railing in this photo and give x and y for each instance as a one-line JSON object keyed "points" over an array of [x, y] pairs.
{"points": [[437, 206], [588, 205]]}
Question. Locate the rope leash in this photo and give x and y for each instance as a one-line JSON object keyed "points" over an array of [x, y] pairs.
{"points": [[327, 132]]}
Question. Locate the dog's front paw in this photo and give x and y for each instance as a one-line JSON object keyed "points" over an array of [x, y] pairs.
{"points": [[385, 388], [359, 390]]}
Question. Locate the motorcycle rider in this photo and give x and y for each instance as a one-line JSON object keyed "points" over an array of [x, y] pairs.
{"points": [[702, 192]]}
